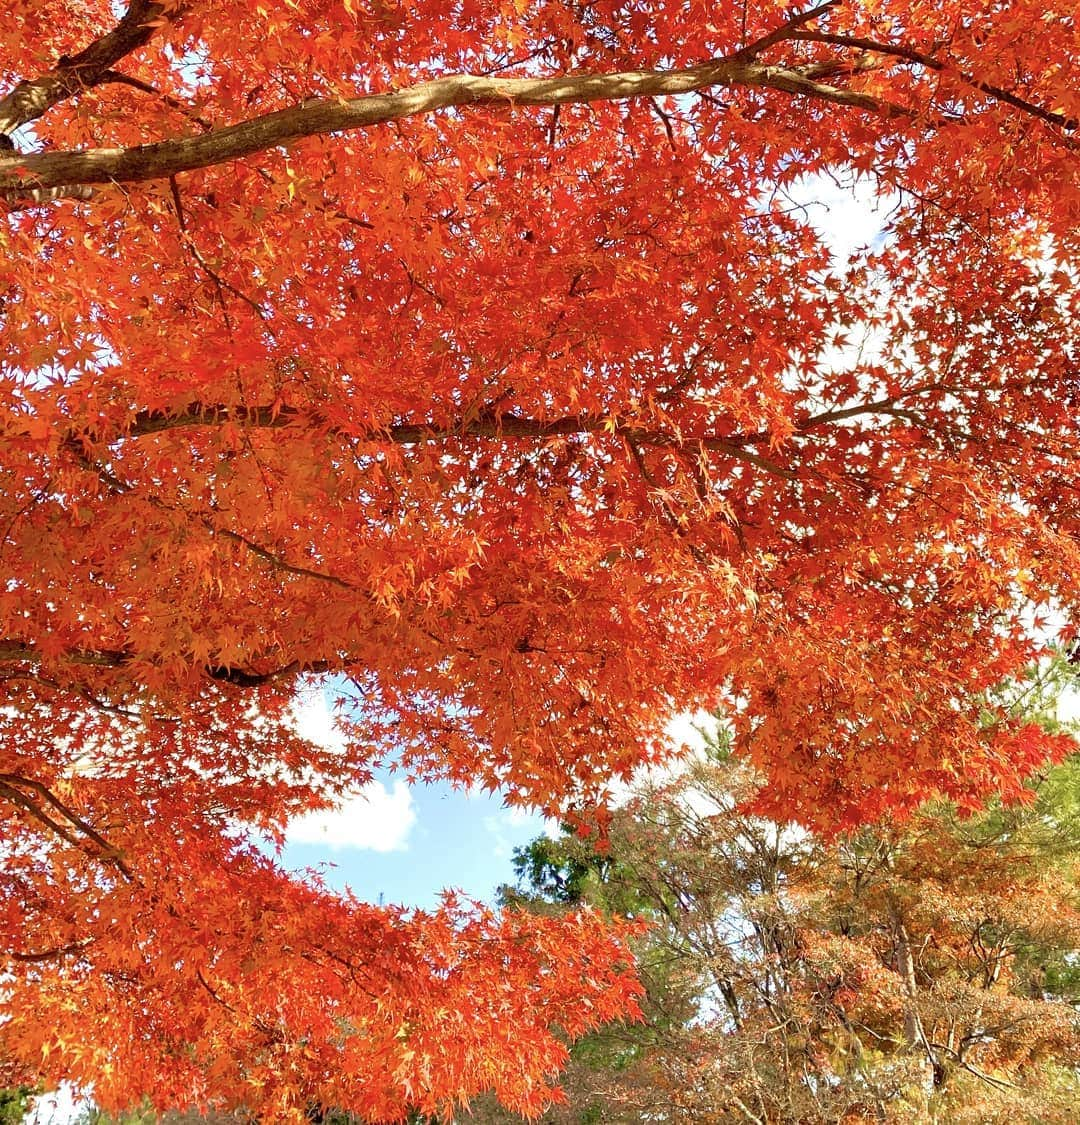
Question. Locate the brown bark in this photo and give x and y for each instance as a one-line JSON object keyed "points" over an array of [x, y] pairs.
{"points": [[33, 97], [318, 117]]}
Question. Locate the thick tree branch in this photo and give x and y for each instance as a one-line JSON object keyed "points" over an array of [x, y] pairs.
{"points": [[19, 652], [483, 425], [318, 117], [26, 179], [17, 200], [11, 651], [20, 800]]}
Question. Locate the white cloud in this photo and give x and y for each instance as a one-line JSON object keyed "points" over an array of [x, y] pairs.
{"points": [[518, 817], [847, 212], [373, 818], [312, 720], [683, 733], [684, 730], [509, 826]]}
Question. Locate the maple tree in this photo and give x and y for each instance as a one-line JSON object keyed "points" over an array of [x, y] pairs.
{"points": [[923, 973], [474, 354]]}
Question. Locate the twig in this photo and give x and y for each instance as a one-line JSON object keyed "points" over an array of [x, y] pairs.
{"points": [[784, 31]]}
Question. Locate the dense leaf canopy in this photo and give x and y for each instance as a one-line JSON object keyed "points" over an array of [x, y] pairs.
{"points": [[481, 354], [903, 975]]}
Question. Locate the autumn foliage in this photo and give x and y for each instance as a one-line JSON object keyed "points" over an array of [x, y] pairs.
{"points": [[918, 974], [482, 356]]}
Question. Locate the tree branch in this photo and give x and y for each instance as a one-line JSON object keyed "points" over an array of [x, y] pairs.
{"points": [[276, 561], [909, 54], [117, 78], [884, 406], [413, 433], [10, 789], [50, 954], [784, 31], [124, 488], [108, 851], [34, 97], [12, 652], [317, 117]]}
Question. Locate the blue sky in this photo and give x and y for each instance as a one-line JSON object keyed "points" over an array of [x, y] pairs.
{"points": [[410, 843], [406, 843], [455, 841]]}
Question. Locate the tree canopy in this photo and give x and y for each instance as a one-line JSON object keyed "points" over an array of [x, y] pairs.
{"points": [[905, 974], [482, 356]]}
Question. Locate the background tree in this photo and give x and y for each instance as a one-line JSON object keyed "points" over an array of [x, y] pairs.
{"points": [[15, 1101], [483, 356], [923, 972]]}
